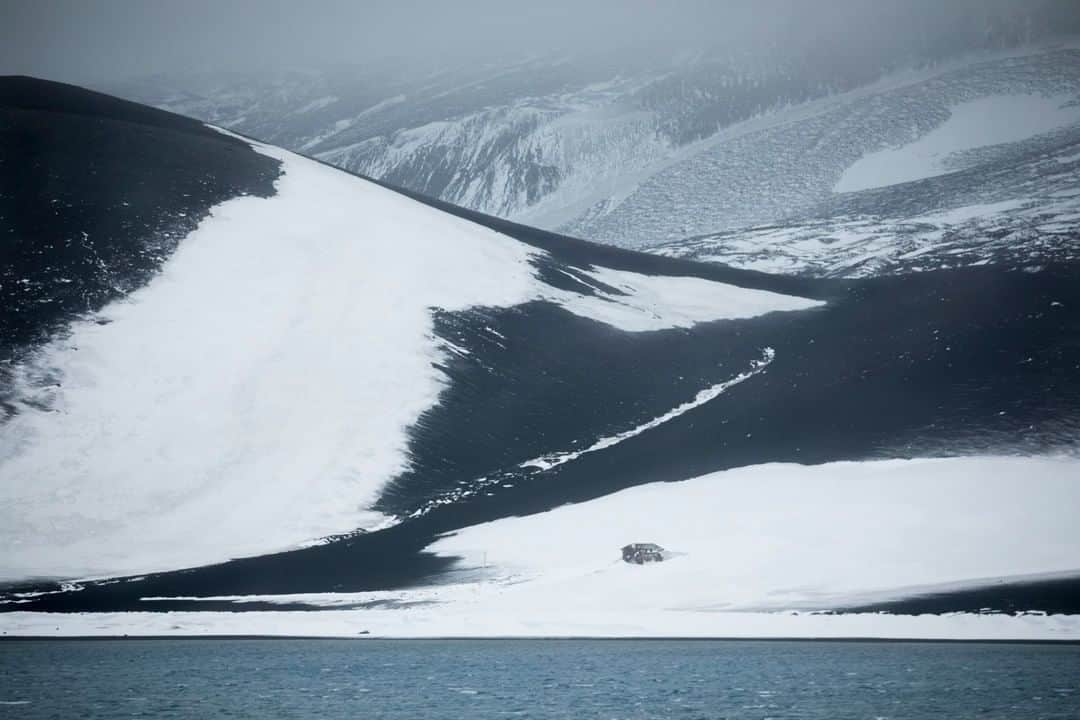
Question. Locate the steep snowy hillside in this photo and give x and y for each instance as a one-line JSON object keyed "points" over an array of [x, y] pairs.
{"points": [[286, 345], [883, 159], [322, 377], [754, 552], [639, 150], [793, 538], [501, 139]]}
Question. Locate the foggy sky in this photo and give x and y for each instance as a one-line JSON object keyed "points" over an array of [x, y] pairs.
{"points": [[94, 41]]}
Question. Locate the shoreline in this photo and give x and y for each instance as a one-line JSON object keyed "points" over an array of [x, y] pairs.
{"points": [[555, 638]]}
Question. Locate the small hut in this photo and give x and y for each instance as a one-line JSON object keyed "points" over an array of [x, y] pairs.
{"points": [[641, 553]]}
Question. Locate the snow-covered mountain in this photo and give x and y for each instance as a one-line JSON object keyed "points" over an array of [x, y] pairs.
{"points": [[639, 151], [503, 139], [991, 178], [237, 378], [974, 132]]}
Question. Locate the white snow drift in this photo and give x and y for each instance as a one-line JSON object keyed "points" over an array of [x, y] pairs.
{"points": [[256, 395], [616, 622], [756, 551], [650, 302], [785, 537], [987, 121]]}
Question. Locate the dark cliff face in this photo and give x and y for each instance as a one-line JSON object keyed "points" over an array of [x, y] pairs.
{"points": [[979, 360], [95, 194]]}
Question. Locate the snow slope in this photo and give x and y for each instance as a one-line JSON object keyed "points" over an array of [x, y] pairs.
{"points": [[256, 394], [1025, 233], [986, 174], [786, 537], [782, 167], [987, 121], [222, 404], [754, 551], [611, 623]]}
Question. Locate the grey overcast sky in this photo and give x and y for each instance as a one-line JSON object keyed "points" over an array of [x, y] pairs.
{"points": [[109, 39], [106, 40]]}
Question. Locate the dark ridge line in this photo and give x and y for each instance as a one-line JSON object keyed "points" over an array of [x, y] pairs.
{"points": [[25, 92], [581, 252], [133, 181], [577, 251]]}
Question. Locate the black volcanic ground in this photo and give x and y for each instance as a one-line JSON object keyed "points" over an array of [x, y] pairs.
{"points": [[979, 360], [97, 192]]}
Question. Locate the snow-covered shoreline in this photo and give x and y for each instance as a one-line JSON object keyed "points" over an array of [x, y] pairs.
{"points": [[613, 624], [845, 535]]}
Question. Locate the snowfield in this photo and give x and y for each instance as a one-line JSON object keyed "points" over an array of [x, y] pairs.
{"points": [[613, 623], [755, 550], [256, 395], [993, 120], [788, 537], [1018, 233], [650, 302]]}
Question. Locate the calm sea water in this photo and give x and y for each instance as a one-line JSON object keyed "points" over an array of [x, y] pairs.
{"points": [[535, 679]]}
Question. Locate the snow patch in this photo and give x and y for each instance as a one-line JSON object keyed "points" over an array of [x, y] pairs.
{"points": [[1069, 159], [317, 104], [653, 302], [785, 537], [710, 393], [759, 551], [992, 120], [446, 622], [967, 213]]}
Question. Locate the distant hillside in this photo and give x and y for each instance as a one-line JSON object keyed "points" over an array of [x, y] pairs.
{"points": [[622, 149]]}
